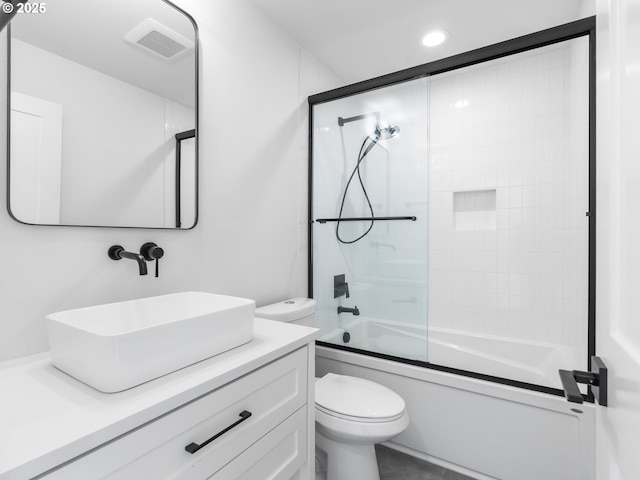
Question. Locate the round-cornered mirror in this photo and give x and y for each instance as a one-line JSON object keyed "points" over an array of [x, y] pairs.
{"points": [[103, 114]]}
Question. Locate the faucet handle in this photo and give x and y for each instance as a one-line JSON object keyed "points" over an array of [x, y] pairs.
{"points": [[150, 251]]}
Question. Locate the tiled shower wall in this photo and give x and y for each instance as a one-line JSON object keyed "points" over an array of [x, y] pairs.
{"points": [[508, 193]]}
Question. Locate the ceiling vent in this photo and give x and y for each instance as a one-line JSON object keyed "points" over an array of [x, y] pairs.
{"points": [[158, 40]]}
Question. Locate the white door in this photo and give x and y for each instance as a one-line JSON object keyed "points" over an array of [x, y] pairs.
{"points": [[36, 159], [618, 236]]}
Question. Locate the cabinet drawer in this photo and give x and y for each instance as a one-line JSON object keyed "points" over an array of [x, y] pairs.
{"points": [[157, 449], [277, 456]]}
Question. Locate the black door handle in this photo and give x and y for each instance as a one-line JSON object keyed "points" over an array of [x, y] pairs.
{"points": [[596, 379], [570, 386], [194, 447]]}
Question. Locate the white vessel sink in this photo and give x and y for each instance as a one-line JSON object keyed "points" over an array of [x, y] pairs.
{"points": [[117, 346]]}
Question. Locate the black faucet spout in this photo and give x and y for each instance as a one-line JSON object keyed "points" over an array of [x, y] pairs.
{"points": [[116, 252], [353, 310], [142, 263]]}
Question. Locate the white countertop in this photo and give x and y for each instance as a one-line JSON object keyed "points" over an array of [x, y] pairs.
{"points": [[48, 417]]}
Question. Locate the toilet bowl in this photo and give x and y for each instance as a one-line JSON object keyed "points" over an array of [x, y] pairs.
{"points": [[352, 414]]}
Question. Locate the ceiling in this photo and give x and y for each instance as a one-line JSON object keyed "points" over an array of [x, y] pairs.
{"points": [[362, 39]]}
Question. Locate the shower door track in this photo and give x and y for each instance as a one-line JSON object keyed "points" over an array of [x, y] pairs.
{"points": [[364, 219]]}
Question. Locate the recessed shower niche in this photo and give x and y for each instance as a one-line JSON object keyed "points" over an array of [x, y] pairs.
{"points": [[474, 210]]}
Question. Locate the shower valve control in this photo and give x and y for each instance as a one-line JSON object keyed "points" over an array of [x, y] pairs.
{"points": [[150, 251], [340, 286]]}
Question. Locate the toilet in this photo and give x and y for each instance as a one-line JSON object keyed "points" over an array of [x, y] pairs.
{"points": [[352, 414]]}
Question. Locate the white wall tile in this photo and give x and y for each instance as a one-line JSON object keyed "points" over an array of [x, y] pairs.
{"points": [[540, 182]]}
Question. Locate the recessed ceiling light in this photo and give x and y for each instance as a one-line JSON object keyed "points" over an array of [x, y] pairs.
{"points": [[434, 38]]}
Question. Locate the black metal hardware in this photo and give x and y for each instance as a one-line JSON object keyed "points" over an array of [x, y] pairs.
{"points": [[361, 219], [596, 379], [179, 137], [150, 251], [353, 310], [340, 286], [194, 447], [117, 252], [342, 121]]}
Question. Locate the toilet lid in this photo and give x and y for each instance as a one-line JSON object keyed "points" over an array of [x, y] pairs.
{"points": [[357, 397]]}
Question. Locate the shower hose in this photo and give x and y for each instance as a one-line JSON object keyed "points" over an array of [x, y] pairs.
{"points": [[364, 151]]}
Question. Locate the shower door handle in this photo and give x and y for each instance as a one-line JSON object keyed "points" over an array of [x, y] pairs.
{"points": [[597, 378]]}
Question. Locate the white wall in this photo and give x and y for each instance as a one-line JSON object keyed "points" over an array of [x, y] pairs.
{"points": [[251, 236]]}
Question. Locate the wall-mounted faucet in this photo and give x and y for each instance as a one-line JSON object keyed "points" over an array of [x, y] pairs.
{"points": [[148, 253], [117, 252], [353, 310]]}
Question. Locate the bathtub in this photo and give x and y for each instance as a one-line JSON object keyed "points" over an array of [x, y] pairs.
{"points": [[483, 429], [525, 361]]}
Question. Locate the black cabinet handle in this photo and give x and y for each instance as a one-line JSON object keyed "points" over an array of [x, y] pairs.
{"points": [[194, 447]]}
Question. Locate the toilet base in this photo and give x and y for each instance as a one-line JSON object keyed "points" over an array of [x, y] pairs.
{"points": [[348, 461]]}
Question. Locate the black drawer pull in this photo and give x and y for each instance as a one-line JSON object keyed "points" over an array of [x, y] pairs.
{"points": [[194, 447]]}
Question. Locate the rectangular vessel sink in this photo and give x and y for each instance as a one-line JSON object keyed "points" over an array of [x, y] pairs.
{"points": [[117, 346]]}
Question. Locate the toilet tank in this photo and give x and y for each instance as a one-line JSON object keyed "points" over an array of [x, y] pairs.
{"points": [[298, 310]]}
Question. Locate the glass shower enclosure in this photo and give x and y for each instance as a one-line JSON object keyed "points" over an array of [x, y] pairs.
{"points": [[450, 215]]}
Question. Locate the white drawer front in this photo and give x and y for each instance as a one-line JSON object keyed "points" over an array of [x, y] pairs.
{"points": [[157, 450], [277, 456]]}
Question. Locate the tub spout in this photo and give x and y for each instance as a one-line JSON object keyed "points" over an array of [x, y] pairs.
{"points": [[353, 310]]}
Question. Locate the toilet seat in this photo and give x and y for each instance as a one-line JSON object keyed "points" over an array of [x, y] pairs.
{"points": [[359, 419], [357, 399]]}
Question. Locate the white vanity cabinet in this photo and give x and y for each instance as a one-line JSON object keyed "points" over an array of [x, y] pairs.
{"points": [[271, 394], [257, 425]]}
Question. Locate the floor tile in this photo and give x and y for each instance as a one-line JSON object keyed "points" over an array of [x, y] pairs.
{"points": [[395, 465]]}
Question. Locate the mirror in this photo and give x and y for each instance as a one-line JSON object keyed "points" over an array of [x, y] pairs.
{"points": [[102, 129]]}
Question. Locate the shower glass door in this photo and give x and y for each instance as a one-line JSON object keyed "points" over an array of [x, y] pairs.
{"points": [[370, 220], [478, 179]]}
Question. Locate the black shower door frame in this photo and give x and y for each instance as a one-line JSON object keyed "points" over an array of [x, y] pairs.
{"points": [[581, 28]]}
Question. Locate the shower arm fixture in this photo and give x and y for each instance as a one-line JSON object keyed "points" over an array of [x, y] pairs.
{"points": [[342, 121], [381, 132]]}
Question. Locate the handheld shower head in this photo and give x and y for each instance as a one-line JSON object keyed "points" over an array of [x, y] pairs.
{"points": [[385, 132]]}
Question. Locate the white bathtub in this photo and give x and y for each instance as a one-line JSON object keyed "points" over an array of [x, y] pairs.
{"points": [[484, 429], [525, 361]]}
